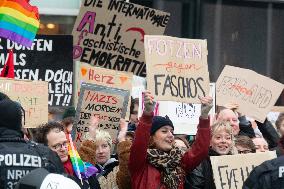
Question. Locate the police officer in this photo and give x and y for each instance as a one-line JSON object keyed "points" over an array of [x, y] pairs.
{"points": [[18, 156], [268, 175]]}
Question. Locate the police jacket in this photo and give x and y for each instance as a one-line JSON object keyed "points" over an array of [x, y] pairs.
{"points": [[18, 157], [268, 175]]}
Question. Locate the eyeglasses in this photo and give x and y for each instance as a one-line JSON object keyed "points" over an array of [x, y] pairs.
{"points": [[59, 146], [244, 151]]}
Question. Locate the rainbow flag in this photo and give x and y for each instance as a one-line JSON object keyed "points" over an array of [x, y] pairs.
{"points": [[19, 21], [83, 170]]}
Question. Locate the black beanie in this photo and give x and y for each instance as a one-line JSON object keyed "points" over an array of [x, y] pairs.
{"points": [[158, 122], [3, 96], [10, 115], [69, 112]]}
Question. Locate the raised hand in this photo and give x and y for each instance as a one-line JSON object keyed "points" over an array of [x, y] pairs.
{"points": [[123, 129], [206, 105], [94, 123], [148, 103], [234, 107]]}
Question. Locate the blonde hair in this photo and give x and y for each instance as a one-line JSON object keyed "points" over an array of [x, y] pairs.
{"points": [[102, 135], [221, 125], [226, 126]]}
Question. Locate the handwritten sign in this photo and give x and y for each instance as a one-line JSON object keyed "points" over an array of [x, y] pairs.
{"points": [[101, 76], [110, 104], [110, 34], [185, 116], [48, 59], [255, 93], [177, 68], [32, 95], [230, 171]]}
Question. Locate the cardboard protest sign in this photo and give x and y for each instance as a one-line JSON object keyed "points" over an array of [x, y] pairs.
{"points": [[110, 104], [277, 109], [110, 34], [255, 93], [32, 95], [185, 116], [101, 76], [230, 171], [177, 68], [48, 59]]}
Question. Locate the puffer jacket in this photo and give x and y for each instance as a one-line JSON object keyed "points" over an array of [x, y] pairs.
{"points": [[144, 174]]}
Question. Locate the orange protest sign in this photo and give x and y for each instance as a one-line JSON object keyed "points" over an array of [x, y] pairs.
{"points": [[101, 76]]}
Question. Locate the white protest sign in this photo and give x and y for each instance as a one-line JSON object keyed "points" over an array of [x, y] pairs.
{"points": [[138, 86], [185, 116]]}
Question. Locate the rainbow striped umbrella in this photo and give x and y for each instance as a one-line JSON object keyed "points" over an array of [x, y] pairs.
{"points": [[19, 21]]}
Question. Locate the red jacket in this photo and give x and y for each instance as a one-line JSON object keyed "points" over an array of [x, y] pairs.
{"points": [[143, 174]]}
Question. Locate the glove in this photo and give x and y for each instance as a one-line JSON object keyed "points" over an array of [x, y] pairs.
{"points": [[94, 123], [123, 129], [206, 105], [148, 103]]}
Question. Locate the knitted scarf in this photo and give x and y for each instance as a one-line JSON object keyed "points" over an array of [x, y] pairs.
{"points": [[169, 163]]}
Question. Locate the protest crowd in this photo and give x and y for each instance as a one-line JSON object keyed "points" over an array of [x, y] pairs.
{"points": [[138, 113]]}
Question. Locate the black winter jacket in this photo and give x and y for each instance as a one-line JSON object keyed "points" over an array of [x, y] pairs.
{"points": [[202, 176], [266, 128], [18, 157], [269, 133], [267, 175], [246, 127]]}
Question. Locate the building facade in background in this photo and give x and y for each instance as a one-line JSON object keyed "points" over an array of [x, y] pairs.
{"points": [[247, 34]]}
